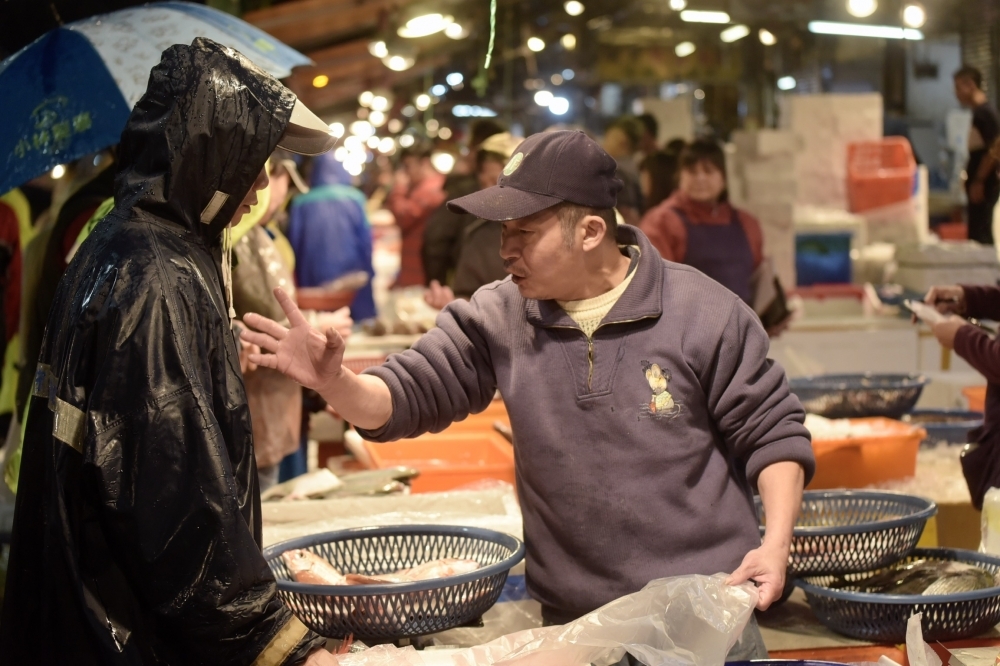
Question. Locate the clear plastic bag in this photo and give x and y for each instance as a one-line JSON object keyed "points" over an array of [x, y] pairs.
{"points": [[691, 620]]}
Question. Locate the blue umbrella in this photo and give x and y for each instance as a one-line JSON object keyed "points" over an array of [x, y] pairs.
{"points": [[70, 92]]}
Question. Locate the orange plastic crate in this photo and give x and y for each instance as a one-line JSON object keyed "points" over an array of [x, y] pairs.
{"points": [[976, 397], [857, 462], [317, 298], [879, 173], [448, 461]]}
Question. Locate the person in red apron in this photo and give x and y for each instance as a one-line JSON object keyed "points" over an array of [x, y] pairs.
{"points": [[697, 225]]}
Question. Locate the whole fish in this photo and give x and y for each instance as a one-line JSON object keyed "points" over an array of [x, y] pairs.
{"points": [[310, 568], [442, 568], [923, 577]]}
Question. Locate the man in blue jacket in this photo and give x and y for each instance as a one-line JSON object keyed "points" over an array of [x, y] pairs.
{"points": [[644, 407]]}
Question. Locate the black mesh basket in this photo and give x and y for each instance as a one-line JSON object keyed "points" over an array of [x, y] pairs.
{"points": [[882, 618], [401, 610], [847, 531], [858, 396]]}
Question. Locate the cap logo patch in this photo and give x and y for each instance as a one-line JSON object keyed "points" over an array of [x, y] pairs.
{"points": [[513, 164]]}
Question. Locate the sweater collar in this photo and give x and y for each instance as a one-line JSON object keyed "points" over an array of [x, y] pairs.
{"points": [[642, 300]]}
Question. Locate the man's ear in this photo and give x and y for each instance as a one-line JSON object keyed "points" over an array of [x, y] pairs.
{"points": [[595, 231]]}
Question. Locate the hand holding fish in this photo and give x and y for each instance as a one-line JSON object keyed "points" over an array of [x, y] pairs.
{"points": [[766, 566], [321, 657]]}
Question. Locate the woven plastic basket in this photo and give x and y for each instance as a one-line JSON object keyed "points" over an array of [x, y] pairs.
{"points": [[402, 610], [848, 531], [881, 618], [858, 396]]}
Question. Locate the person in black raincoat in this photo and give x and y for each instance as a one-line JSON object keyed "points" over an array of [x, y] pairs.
{"points": [[137, 532]]}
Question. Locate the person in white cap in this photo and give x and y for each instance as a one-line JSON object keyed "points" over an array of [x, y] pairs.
{"points": [[137, 531]]}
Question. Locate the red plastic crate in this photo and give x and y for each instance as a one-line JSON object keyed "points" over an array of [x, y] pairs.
{"points": [[888, 454], [879, 173], [448, 461]]}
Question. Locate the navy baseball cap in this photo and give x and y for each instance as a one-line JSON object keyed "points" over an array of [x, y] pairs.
{"points": [[547, 169]]}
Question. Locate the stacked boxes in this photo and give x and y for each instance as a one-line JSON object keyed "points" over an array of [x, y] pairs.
{"points": [[825, 124], [762, 180]]}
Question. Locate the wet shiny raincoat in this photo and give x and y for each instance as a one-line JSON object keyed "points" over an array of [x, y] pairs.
{"points": [[137, 535]]}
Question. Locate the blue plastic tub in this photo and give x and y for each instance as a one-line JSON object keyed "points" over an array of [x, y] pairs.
{"points": [[951, 426], [823, 258]]}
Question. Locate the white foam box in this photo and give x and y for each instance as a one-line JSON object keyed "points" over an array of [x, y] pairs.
{"points": [[767, 142], [924, 266], [773, 214], [769, 169]]}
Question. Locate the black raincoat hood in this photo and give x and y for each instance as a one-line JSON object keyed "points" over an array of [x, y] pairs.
{"points": [[207, 110], [137, 527]]}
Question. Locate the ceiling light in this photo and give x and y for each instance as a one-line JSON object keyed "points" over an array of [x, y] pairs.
{"points": [[398, 63], [568, 74], [409, 111], [321, 81], [395, 125], [543, 98], [438, 90], [861, 30], [58, 171], [362, 129], [734, 34], [422, 26], [406, 140], [699, 94], [379, 103], [444, 133], [536, 44], [678, 5], [422, 102], [376, 118], [378, 49], [443, 162], [433, 125], [861, 8], [337, 129], [556, 79], [366, 98], [684, 49], [568, 41], [353, 143], [696, 16], [454, 79], [340, 154], [767, 37], [373, 142], [386, 145], [467, 111], [787, 83], [914, 15], [573, 8], [456, 31], [559, 106]]}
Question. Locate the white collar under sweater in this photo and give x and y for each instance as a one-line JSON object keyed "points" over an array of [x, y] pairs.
{"points": [[590, 312]]}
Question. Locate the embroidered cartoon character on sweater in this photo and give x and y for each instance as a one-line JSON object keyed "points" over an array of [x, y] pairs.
{"points": [[661, 405]]}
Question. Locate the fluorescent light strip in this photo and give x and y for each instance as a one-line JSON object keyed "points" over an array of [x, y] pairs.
{"points": [[861, 30], [734, 34], [696, 16]]}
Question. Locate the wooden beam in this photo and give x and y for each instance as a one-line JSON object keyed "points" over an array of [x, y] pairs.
{"points": [[305, 22]]}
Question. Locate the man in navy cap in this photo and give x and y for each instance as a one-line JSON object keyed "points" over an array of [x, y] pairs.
{"points": [[644, 407]]}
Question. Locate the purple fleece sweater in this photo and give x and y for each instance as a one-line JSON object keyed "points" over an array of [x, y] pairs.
{"points": [[639, 470]]}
